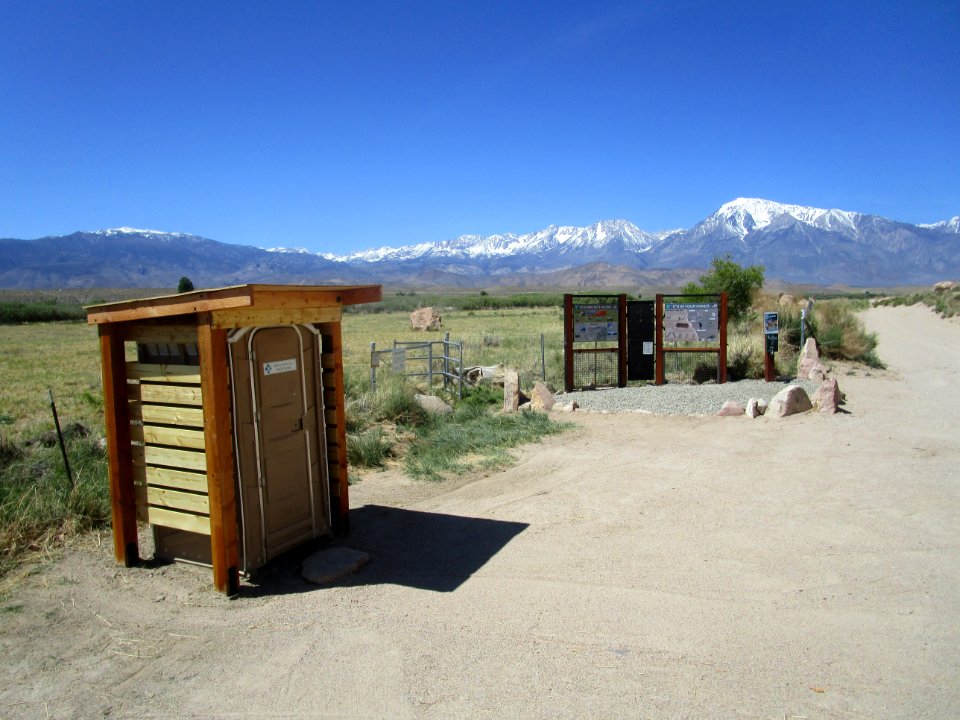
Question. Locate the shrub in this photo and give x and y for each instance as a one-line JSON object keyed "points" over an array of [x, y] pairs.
{"points": [[738, 282], [368, 449], [841, 335]]}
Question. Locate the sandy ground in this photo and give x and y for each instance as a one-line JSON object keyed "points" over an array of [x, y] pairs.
{"points": [[636, 567]]}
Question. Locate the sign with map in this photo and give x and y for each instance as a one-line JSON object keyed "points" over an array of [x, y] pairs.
{"points": [[597, 321], [691, 322]]}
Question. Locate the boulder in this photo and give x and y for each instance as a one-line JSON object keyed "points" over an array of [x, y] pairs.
{"points": [[944, 286], [753, 408], [791, 400], [731, 408], [432, 404], [786, 300], [762, 405], [818, 373], [511, 391], [566, 407], [541, 399], [827, 398], [490, 374], [425, 319], [809, 357]]}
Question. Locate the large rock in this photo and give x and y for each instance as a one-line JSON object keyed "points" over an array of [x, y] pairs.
{"points": [[827, 398], [791, 400], [511, 390], [731, 408], [432, 404], [818, 373], [944, 286], [809, 358], [425, 319], [541, 399], [490, 374]]}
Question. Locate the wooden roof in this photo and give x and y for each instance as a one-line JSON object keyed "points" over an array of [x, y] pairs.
{"points": [[250, 300]]}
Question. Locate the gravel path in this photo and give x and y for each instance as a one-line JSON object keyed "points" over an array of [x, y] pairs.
{"points": [[676, 399]]}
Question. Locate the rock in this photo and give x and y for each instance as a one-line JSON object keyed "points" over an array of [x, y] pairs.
{"points": [[809, 357], [762, 405], [786, 300], [491, 374], [753, 408], [827, 398], [731, 408], [511, 390], [332, 563], [432, 404], [818, 373], [566, 407], [791, 400], [541, 399], [425, 319], [944, 286]]}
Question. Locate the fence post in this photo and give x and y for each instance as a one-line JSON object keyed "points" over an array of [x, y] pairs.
{"points": [[460, 373], [373, 367], [543, 360], [430, 367], [446, 359]]}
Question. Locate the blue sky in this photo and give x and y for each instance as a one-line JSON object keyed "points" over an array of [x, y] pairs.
{"points": [[348, 125]]}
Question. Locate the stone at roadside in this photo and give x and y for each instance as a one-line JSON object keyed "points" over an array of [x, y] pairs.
{"points": [[432, 404], [827, 398], [753, 408], [809, 358], [332, 563], [511, 391], [818, 373], [566, 407], [541, 399], [791, 400], [425, 319], [490, 374], [731, 408]]}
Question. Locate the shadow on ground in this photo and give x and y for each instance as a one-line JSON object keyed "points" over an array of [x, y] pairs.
{"points": [[429, 551]]}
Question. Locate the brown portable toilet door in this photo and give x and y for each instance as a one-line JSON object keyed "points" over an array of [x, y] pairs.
{"points": [[285, 391]]}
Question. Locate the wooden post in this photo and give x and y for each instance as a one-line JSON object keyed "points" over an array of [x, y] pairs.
{"points": [[568, 343], [622, 340], [218, 443], [116, 415], [723, 337], [658, 320]]}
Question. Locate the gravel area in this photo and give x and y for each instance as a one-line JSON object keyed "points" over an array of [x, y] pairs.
{"points": [[676, 398]]}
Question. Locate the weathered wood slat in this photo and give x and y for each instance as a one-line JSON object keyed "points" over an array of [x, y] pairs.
{"points": [[177, 437], [163, 373], [173, 499], [180, 459], [175, 519], [168, 477], [245, 317], [160, 333], [182, 416], [172, 394]]}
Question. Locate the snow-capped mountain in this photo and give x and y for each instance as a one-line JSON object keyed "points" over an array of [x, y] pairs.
{"points": [[794, 243]]}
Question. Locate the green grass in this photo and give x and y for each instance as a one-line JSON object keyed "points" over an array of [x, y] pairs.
{"points": [[945, 303], [474, 437]]}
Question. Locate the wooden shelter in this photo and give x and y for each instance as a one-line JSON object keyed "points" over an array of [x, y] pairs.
{"points": [[227, 432]]}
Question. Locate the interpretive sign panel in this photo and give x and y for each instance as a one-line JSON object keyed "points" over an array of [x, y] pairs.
{"points": [[771, 323], [691, 322], [596, 322]]}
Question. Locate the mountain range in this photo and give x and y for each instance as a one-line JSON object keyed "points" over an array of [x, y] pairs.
{"points": [[796, 244]]}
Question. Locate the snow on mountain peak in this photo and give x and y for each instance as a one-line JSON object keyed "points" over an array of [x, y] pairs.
{"points": [[953, 224], [745, 215]]}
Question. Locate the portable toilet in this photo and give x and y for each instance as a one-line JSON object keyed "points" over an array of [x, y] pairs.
{"points": [[227, 432]]}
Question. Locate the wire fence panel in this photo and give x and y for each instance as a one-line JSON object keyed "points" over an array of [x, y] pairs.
{"points": [[596, 368]]}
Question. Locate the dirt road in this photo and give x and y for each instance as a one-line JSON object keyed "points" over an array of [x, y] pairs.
{"points": [[637, 566]]}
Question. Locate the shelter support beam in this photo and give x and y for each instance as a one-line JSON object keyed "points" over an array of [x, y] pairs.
{"points": [[218, 442], [123, 501]]}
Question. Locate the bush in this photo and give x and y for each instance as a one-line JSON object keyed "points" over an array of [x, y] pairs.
{"points": [[841, 335], [738, 282], [368, 449]]}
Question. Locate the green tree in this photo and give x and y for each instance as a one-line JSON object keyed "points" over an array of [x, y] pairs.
{"points": [[740, 284], [185, 285]]}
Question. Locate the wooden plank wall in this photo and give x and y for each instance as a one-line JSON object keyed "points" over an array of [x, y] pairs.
{"points": [[166, 430]]}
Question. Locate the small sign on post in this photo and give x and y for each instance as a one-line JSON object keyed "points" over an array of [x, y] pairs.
{"points": [[771, 336]]}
